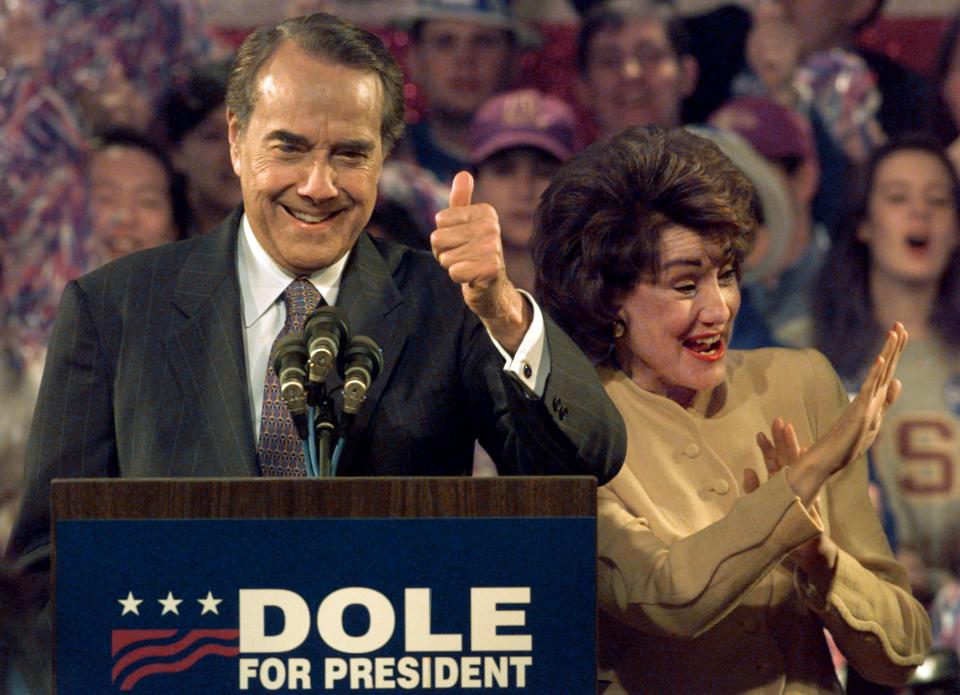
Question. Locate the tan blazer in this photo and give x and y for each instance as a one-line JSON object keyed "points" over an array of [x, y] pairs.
{"points": [[695, 592]]}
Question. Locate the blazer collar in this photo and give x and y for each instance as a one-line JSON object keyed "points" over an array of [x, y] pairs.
{"points": [[207, 351], [210, 268], [375, 308]]}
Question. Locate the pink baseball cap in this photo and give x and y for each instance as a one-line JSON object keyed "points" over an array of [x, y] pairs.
{"points": [[523, 118], [773, 130]]}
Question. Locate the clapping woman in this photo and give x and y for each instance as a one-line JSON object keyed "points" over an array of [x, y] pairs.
{"points": [[720, 561]]}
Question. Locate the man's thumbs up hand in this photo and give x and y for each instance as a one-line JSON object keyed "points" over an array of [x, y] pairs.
{"points": [[467, 244]]}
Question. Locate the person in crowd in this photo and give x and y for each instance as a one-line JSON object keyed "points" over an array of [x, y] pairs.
{"points": [[137, 199], [897, 255], [634, 65], [196, 128], [408, 200], [772, 55], [520, 139], [945, 111], [717, 38], [104, 65], [785, 140], [168, 349], [824, 26], [720, 561], [19, 386], [25, 645], [834, 89], [460, 54]]}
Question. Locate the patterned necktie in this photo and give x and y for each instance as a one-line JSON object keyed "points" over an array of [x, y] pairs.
{"points": [[280, 450]]}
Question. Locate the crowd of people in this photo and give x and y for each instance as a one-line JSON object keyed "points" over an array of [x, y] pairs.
{"points": [[813, 184]]}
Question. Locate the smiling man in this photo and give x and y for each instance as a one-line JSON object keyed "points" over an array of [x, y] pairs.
{"points": [[158, 362]]}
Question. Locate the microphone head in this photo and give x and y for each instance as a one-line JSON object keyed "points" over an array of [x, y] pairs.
{"points": [[326, 330], [363, 362], [364, 351], [288, 361], [289, 346]]}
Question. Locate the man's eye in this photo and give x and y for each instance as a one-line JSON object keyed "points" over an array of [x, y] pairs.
{"points": [[685, 288], [353, 157]]}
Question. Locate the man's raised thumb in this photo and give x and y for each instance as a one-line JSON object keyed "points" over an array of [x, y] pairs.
{"points": [[462, 189]]}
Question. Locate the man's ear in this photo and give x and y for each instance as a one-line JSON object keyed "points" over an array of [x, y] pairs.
{"points": [[863, 231], [689, 74], [233, 136]]}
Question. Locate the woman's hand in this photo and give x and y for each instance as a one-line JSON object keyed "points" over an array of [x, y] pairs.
{"points": [[856, 429], [818, 556]]}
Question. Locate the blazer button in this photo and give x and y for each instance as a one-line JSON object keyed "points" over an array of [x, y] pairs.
{"points": [[562, 413], [557, 403], [527, 370], [691, 450], [721, 487]]}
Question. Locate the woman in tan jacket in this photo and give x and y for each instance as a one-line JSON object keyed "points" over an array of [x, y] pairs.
{"points": [[720, 561]]}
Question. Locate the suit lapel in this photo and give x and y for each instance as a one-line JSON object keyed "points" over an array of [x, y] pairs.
{"points": [[374, 308], [207, 352]]}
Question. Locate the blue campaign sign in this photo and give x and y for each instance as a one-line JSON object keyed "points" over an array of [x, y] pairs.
{"points": [[340, 605]]}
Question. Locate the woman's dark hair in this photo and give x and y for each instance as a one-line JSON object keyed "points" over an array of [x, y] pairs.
{"points": [[845, 325], [179, 204], [598, 226]]}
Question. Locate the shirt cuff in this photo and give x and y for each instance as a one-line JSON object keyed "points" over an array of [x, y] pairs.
{"points": [[531, 363]]}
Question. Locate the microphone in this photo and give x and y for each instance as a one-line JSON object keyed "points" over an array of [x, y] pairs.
{"points": [[363, 360], [288, 359], [326, 332]]}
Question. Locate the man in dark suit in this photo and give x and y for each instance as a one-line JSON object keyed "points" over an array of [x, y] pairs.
{"points": [[156, 364]]}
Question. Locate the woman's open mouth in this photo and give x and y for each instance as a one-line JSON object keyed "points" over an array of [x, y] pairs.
{"points": [[708, 348]]}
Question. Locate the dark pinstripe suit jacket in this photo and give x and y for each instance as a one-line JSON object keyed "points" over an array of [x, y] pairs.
{"points": [[145, 377]]}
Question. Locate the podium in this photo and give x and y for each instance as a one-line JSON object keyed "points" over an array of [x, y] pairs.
{"points": [[340, 585]]}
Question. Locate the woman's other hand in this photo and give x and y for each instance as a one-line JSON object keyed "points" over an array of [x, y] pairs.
{"points": [[857, 427]]}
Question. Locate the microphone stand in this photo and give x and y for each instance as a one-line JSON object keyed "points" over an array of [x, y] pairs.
{"points": [[325, 432], [325, 426]]}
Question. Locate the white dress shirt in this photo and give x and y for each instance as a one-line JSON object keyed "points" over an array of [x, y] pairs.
{"points": [[262, 282]]}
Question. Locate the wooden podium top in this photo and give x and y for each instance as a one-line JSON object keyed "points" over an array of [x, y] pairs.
{"points": [[375, 497]]}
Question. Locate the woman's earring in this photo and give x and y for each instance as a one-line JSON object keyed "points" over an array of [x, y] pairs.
{"points": [[619, 328]]}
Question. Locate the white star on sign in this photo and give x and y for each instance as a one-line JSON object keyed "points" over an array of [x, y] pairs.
{"points": [[170, 604], [209, 604], [130, 604]]}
